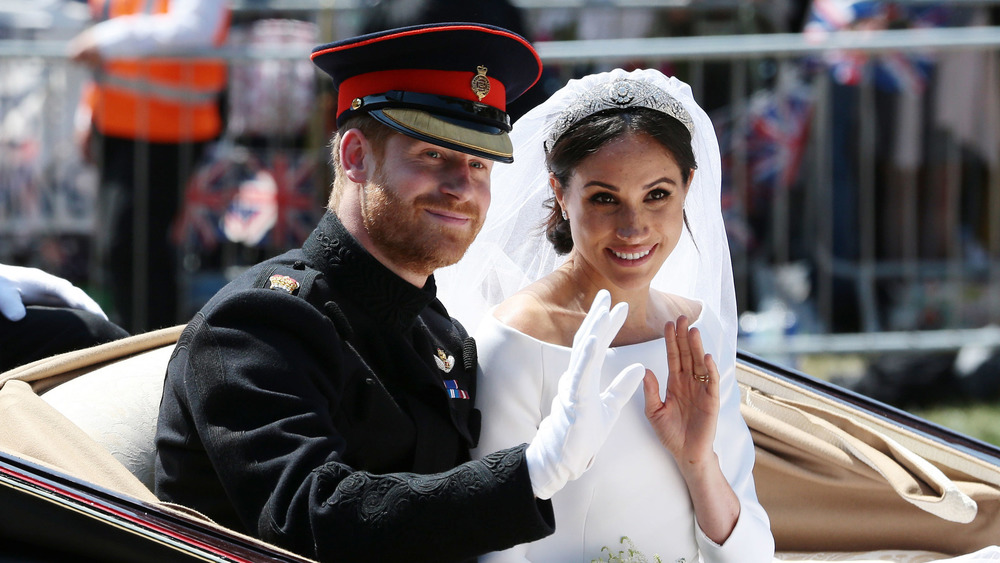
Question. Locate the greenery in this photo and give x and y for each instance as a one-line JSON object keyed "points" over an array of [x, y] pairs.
{"points": [[628, 555], [979, 420]]}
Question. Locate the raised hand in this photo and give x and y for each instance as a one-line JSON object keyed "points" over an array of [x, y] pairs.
{"points": [[582, 415], [686, 420]]}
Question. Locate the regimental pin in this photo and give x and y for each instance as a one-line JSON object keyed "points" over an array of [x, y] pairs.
{"points": [[480, 84], [284, 283], [444, 361]]}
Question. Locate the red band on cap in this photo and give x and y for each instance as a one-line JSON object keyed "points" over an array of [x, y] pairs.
{"points": [[456, 84]]}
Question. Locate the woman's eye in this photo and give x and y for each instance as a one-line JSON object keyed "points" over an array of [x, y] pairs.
{"points": [[602, 198], [658, 194]]}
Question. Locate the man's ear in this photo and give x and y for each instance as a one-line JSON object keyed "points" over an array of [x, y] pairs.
{"points": [[354, 150]]}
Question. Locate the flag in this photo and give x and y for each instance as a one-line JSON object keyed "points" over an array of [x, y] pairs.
{"points": [[198, 226], [890, 72], [258, 198], [771, 136], [764, 145], [297, 205]]}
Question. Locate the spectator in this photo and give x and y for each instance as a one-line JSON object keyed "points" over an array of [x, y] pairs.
{"points": [[145, 122]]}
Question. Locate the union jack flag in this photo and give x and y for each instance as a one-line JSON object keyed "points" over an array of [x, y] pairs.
{"points": [[297, 205], [771, 136], [198, 226], [891, 72], [266, 199], [765, 146]]}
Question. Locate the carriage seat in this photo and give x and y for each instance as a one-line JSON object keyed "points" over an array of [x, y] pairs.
{"points": [[117, 405]]}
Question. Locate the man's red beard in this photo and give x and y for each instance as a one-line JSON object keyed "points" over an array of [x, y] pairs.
{"points": [[404, 234]]}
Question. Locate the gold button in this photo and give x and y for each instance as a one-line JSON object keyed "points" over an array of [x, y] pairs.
{"points": [[356, 103]]}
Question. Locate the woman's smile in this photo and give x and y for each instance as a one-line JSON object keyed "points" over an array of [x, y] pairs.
{"points": [[633, 257]]}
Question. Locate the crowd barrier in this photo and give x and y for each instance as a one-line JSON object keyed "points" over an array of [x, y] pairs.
{"points": [[864, 212]]}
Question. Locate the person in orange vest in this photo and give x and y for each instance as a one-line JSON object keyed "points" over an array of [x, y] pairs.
{"points": [[145, 120]]}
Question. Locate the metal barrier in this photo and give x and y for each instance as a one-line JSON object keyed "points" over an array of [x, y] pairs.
{"points": [[850, 227], [921, 245]]}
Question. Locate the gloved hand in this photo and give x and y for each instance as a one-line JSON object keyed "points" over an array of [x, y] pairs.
{"points": [[581, 416], [30, 286]]}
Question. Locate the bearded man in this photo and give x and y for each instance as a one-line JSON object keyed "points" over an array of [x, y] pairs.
{"points": [[324, 400]]}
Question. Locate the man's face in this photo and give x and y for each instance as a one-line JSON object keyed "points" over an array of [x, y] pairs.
{"points": [[425, 204]]}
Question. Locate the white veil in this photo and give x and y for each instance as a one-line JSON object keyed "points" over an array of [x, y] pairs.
{"points": [[511, 251]]}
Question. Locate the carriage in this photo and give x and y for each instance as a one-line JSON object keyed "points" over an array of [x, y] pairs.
{"points": [[843, 477]]}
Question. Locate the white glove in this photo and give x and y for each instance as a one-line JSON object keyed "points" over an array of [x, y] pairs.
{"points": [[581, 416], [30, 286]]}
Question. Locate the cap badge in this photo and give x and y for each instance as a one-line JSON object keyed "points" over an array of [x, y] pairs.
{"points": [[480, 84], [444, 361], [356, 103], [284, 283]]}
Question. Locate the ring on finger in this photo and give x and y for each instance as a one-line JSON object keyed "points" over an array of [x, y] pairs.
{"points": [[703, 377]]}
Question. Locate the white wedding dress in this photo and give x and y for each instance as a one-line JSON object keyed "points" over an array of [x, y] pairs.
{"points": [[633, 489]]}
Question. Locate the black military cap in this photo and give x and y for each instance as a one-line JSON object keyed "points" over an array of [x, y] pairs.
{"points": [[445, 83]]}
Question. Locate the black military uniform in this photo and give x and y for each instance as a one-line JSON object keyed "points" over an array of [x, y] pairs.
{"points": [[299, 395], [324, 404]]}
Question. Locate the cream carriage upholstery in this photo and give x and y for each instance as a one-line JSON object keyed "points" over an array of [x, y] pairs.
{"points": [[839, 484], [106, 396], [117, 405]]}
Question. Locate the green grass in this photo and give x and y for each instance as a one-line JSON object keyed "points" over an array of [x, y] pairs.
{"points": [[980, 420]]}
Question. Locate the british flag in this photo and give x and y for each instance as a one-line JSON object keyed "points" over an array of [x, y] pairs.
{"points": [[266, 199], [769, 138], [198, 227], [764, 146], [779, 127], [294, 203], [891, 72]]}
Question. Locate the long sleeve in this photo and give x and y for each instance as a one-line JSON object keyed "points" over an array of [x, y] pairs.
{"points": [[264, 386], [187, 24], [634, 488], [751, 540], [510, 384]]}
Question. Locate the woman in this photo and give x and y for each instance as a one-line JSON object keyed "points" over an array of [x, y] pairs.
{"points": [[633, 167]]}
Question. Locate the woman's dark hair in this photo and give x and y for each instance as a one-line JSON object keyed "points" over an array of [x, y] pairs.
{"points": [[590, 134]]}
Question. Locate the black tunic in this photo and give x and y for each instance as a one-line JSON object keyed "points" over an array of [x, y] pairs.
{"points": [[336, 419]]}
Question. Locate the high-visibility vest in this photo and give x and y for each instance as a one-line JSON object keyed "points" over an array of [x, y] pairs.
{"points": [[163, 100]]}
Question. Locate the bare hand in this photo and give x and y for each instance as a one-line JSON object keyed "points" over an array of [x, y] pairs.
{"points": [[686, 420]]}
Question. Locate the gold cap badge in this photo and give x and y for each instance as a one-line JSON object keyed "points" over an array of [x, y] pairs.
{"points": [[480, 84], [284, 283]]}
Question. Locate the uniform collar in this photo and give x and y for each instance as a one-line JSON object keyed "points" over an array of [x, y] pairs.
{"points": [[351, 270]]}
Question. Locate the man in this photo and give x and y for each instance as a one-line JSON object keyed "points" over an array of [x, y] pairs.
{"points": [[323, 401], [152, 117]]}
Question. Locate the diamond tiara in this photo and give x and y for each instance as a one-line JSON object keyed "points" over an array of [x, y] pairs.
{"points": [[619, 94]]}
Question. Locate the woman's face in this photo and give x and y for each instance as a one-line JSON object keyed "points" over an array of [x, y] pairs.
{"points": [[626, 209]]}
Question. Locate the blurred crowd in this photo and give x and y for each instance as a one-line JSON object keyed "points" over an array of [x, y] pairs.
{"points": [[899, 128]]}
